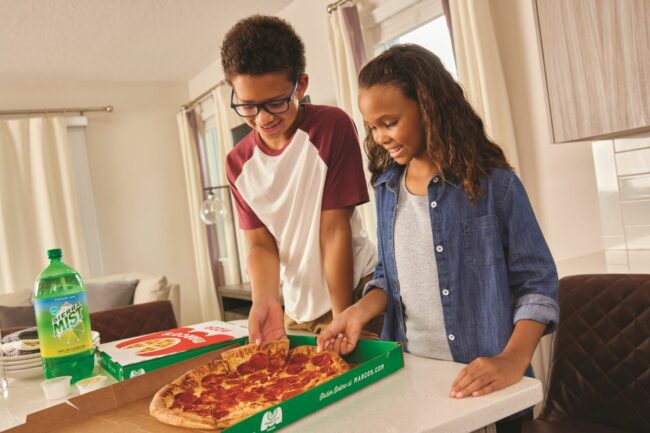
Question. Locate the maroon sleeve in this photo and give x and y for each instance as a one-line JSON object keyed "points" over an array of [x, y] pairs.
{"points": [[248, 220], [345, 184]]}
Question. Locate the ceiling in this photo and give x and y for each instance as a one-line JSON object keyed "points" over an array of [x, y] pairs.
{"points": [[116, 40]]}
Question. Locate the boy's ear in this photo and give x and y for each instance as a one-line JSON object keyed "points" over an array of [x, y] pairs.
{"points": [[303, 82]]}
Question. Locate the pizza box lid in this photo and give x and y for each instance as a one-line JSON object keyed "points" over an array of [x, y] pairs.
{"points": [[135, 356], [124, 406]]}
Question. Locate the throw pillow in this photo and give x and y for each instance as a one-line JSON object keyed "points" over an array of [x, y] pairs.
{"points": [[17, 316], [106, 296]]}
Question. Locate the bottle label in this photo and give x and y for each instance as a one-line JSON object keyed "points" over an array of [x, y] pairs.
{"points": [[63, 325]]}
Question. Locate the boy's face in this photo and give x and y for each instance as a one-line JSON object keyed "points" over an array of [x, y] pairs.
{"points": [[276, 129], [394, 121]]}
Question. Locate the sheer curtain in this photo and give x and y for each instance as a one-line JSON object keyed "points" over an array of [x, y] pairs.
{"points": [[480, 71], [191, 132], [348, 55], [235, 242], [39, 207]]}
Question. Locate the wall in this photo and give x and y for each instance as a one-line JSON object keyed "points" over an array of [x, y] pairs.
{"points": [[137, 174], [308, 18], [560, 178]]}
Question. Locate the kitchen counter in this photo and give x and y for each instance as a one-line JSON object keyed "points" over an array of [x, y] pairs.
{"points": [[416, 399]]}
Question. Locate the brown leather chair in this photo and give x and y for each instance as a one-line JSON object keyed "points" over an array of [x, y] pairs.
{"points": [[128, 321], [599, 380]]}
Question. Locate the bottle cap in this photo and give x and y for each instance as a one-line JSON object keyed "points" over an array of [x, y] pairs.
{"points": [[54, 253]]}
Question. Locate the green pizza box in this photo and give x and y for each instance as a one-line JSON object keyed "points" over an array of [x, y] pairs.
{"points": [[371, 361], [131, 357]]}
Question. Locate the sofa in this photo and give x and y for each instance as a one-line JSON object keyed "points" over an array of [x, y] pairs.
{"points": [[104, 294]]}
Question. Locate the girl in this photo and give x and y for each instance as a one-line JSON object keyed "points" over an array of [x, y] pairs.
{"points": [[464, 273]]}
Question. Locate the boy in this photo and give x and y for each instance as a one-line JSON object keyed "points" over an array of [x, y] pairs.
{"points": [[296, 179]]}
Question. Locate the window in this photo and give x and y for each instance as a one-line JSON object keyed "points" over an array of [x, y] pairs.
{"points": [[419, 22], [434, 36]]}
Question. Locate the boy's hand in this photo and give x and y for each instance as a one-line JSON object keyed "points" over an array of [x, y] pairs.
{"points": [[266, 323], [485, 375], [342, 335]]}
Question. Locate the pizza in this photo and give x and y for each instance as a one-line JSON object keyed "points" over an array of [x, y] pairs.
{"points": [[245, 381]]}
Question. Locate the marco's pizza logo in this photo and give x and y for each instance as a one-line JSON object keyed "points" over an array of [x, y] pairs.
{"points": [[271, 418]]}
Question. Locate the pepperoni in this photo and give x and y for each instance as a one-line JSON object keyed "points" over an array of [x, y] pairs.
{"points": [[234, 382], [270, 396], [217, 392], [184, 399], [234, 391], [219, 413], [212, 380], [276, 362], [322, 359], [259, 360], [228, 403], [299, 358], [287, 381], [248, 396], [294, 368], [328, 371], [246, 368]]}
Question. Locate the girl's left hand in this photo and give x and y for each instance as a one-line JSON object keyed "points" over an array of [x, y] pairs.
{"points": [[485, 375]]}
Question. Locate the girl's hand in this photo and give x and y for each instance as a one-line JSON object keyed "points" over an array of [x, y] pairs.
{"points": [[343, 333], [485, 375]]}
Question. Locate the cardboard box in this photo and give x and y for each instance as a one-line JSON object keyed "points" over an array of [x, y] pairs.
{"points": [[131, 357], [124, 406]]}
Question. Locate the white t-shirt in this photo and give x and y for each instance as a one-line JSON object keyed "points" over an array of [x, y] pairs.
{"points": [[286, 190]]}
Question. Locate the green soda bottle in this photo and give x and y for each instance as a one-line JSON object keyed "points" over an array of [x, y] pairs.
{"points": [[62, 320]]}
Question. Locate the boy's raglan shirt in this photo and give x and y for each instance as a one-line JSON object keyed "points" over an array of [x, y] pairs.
{"points": [[286, 190]]}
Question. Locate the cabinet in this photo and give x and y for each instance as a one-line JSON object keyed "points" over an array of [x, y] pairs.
{"points": [[596, 56]]}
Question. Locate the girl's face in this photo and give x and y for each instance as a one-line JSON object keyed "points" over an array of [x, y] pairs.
{"points": [[394, 121]]}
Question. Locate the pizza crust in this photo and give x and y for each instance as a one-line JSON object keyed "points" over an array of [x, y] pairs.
{"points": [[160, 408]]}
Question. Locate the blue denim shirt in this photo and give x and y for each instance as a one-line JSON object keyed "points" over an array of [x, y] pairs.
{"points": [[494, 267]]}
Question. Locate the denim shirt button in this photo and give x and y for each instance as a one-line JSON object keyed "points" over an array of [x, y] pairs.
{"points": [[434, 204], [451, 337], [435, 179], [445, 292], [439, 248]]}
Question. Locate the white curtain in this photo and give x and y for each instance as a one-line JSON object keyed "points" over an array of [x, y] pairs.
{"points": [[480, 71], [347, 56], [481, 74], [187, 126], [39, 206], [225, 120]]}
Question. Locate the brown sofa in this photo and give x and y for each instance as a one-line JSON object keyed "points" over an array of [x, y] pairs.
{"points": [[599, 380], [129, 321]]}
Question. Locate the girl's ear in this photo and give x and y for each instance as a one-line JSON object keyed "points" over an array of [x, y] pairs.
{"points": [[303, 82]]}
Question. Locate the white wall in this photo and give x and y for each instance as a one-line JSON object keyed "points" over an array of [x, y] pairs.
{"points": [[308, 18], [137, 174], [560, 178]]}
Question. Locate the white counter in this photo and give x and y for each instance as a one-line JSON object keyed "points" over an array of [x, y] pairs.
{"points": [[415, 399]]}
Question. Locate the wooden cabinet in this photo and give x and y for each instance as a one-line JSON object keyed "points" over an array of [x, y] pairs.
{"points": [[596, 56]]}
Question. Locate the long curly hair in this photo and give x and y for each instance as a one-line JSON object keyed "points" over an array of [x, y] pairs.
{"points": [[454, 134]]}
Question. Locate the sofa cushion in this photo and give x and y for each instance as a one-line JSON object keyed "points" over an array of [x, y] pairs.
{"points": [[150, 289], [20, 297], [108, 295], [17, 316]]}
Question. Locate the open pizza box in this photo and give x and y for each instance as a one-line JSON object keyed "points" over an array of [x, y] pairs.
{"points": [[124, 406]]}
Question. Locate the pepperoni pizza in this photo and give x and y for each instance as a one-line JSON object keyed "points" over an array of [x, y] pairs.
{"points": [[247, 380]]}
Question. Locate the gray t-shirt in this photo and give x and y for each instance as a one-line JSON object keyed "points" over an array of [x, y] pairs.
{"points": [[417, 273]]}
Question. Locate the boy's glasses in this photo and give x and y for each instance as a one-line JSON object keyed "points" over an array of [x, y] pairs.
{"points": [[273, 106]]}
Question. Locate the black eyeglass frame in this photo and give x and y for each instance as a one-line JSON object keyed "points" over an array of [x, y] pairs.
{"points": [[263, 105]]}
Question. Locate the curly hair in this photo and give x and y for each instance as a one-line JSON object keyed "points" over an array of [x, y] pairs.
{"points": [[454, 134], [260, 45]]}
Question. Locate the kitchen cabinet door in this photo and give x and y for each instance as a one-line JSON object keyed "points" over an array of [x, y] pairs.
{"points": [[596, 56]]}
